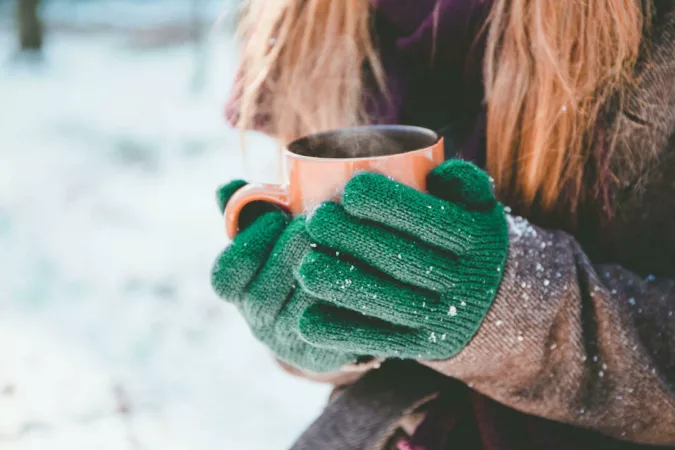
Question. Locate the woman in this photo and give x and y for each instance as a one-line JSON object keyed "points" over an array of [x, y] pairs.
{"points": [[560, 328]]}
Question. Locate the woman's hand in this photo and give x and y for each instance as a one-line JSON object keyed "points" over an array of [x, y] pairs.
{"points": [[402, 273], [255, 272]]}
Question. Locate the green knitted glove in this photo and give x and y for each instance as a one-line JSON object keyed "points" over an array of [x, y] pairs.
{"points": [[255, 272], [415, 274]]}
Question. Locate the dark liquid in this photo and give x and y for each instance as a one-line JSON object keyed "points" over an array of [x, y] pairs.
{"points": [[363, 142]]}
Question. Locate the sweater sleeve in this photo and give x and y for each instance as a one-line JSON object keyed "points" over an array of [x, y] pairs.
{"points": [[589, 345]]}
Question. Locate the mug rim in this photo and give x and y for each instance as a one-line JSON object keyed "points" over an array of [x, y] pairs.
{"points": [[410, 128]]}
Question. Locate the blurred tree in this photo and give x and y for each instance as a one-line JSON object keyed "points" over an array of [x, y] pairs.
{"points": [[29, 25]]}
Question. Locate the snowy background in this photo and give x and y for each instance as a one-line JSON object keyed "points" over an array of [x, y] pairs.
{"points": [[111, 149]]}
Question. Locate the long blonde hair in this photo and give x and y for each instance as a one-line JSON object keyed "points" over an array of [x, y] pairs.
{"points": [[550, 66]]}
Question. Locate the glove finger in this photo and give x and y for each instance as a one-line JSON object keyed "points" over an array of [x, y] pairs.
{"points": [[390, 252], [238, 264], [304, 355], [292, 349], [429, 219], [330, 327], [270, 290], [462, 182], [347, 286]]}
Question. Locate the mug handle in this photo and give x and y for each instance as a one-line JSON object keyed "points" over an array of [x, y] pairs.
{"points": [[272, 193]]}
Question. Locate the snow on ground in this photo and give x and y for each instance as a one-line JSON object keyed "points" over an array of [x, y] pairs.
{"points": [[110, 335]]}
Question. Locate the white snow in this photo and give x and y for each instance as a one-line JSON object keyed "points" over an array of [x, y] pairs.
{"points": [[110, 335]]}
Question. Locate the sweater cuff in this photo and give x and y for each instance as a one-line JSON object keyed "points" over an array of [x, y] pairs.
{"points": [[505, 333]]}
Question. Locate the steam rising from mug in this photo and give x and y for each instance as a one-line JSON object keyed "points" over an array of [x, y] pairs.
{"points": [[363, 142]]}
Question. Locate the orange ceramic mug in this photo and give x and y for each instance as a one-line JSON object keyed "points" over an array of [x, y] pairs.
{"points": [[318, 166]]}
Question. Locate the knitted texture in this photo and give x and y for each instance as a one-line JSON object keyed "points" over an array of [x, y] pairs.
{"points": [[255, 273], [403, 273]]}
